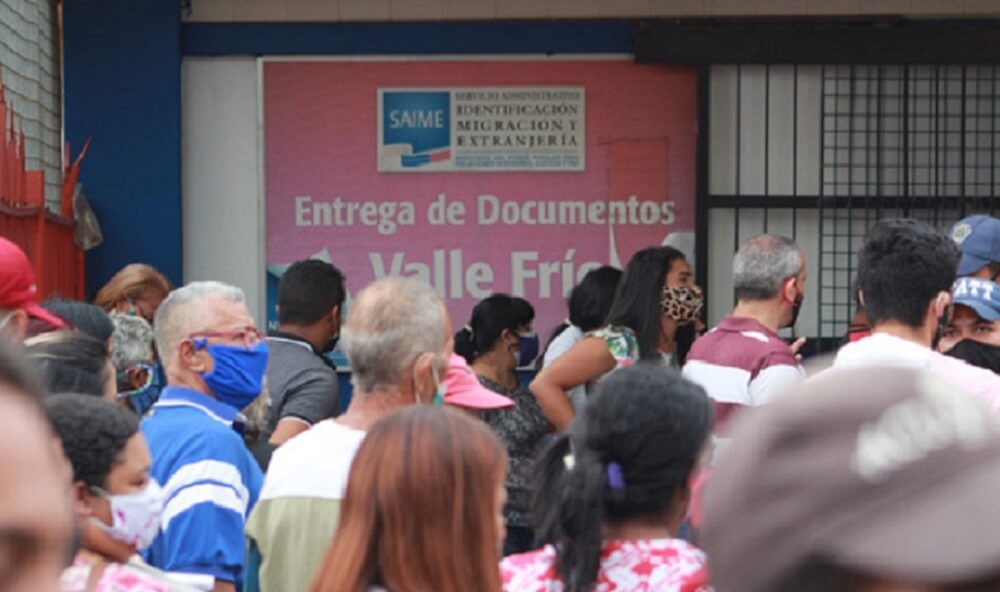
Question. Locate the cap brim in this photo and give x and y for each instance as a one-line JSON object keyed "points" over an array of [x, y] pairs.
{"points": [[479, 399], [982, 310], [950, 534], [41, 314], [970, 264]]}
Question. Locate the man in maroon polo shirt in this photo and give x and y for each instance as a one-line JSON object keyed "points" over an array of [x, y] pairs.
{"points": [[742, 362]]}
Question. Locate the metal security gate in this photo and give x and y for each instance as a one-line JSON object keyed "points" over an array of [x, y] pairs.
{"points": [[820, 153], [917, 141], [816, 130]]}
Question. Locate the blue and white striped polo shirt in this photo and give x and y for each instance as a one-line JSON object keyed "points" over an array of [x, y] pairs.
{"points": [[210, 483]]}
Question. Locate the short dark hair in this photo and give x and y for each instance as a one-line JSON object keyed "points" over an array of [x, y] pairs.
{"points": [[489, 318], [84, 317], [308, 290], [903, 265], [588, 303], [524, 312], [591, 299], [652, 424], [93, 433], [637, 299], [69, 362]]}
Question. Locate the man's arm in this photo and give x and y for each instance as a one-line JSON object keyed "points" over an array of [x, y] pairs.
{"points": [[221, 586], [307, 402], [287, 429], [774, 380]]}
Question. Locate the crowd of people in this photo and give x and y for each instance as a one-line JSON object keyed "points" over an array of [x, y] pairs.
{"points": [[157, 440]]}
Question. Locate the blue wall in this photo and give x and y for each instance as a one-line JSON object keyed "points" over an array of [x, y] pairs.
{"points": [[122, 87]]}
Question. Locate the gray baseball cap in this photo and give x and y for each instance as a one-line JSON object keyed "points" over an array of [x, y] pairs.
{"points": [[889, 472]]}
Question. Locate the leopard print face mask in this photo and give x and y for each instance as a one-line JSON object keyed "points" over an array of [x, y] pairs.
{"points": [[682, 304]]}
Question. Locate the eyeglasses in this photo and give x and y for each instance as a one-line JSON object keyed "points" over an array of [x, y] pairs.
{"points": [[250, 336]]}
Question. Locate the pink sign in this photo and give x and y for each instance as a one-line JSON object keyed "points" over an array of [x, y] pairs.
{"points": [[533, 233]]}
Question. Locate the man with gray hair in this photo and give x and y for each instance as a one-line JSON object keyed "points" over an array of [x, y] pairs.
{"points": [[214, 359], [397, 338], [743, 362], [139, 376]]}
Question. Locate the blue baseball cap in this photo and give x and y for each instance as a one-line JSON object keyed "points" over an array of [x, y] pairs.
{"points": [[978, 237], [982, 296]]}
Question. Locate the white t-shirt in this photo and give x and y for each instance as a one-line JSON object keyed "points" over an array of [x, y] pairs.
{"points": [[881, 349], [560, 345]]}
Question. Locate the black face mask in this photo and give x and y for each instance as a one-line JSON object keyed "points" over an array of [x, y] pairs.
{"points": [[977, 353], [796, 308], [331, 344]]}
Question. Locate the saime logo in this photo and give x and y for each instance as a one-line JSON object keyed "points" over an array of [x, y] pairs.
{"points": [[416, 127]]}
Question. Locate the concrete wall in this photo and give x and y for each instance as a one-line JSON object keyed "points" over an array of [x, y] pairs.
{"points": [[223, 223]]}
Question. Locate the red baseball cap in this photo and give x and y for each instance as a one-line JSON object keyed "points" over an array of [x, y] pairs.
{"points": [[465, 390], [17, 284]]}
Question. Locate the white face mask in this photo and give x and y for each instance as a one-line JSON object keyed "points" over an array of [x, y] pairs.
{"points": [[135, 517]]}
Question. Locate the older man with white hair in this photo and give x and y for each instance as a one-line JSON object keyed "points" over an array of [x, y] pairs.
{"points": [[398, 338], [214, 360]]}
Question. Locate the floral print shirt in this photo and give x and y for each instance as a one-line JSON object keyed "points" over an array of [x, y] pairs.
{"points": [[522, 429], [134, 576], [623, 345], [657, 565]]}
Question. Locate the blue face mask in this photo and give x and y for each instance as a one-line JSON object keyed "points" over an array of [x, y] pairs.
{"points": [[238, 376], [142, 399], [527, 348]]}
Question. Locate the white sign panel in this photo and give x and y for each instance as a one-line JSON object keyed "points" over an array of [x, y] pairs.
{"points": [[481, 129]]}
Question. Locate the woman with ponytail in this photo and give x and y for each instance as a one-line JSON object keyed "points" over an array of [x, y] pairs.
{"points": [[496, 341], [614, 490]]}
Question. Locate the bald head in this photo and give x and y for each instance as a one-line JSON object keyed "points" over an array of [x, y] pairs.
{"points": [[392, 322], [762, 265]]}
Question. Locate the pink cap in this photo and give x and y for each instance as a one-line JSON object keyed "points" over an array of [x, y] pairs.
{"points": [[465, 390]]}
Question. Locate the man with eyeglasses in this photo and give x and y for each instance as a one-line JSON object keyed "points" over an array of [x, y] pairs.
{"points": [[215, 361]]}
